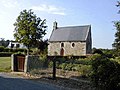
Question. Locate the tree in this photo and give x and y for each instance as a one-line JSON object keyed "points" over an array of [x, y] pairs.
{"points": [[116, 43], [98, 51], [29, 29], [118, 5]]}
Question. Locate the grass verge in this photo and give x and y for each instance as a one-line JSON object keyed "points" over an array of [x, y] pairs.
{"points": [[5, 64]]}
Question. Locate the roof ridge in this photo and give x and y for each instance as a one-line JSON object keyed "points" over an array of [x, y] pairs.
{"points": [[74, 26]]}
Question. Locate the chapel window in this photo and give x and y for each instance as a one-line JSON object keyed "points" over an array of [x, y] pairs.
{"points": [[62, 44], [73, 44]]}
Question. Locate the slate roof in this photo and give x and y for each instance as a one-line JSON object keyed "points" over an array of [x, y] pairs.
{"points": [[72, 33]]}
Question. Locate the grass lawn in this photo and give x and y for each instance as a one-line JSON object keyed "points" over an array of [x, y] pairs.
{"points": [[5, 64]]}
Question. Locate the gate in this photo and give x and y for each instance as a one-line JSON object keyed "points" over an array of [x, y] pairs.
{"points": [[20, 61]]}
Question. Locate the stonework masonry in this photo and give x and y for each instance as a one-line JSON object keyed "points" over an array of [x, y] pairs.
{"points": [[79, 48]]}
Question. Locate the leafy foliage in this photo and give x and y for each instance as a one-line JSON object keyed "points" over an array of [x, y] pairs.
{"points": [[5, 54], [110, 53], [43, 45], [97, 51], [1, 48], [118, 5], [105, 73], [116, 43], [8, 51], [29, 28], [3, 42]]}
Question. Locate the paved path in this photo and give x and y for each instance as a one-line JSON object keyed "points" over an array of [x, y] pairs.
{"points": [[15, 83]]}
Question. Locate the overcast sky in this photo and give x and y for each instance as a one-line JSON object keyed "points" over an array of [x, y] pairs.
{"points": [[97, 13]]}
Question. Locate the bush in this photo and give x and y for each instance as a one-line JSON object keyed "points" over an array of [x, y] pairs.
{"points": [[86, 61], [44, 60], [7, 50], [76, 67], [5, 54], [85, 70], [1, 48], [105, 73], [94, 56], [117, 59], [61, 60], [63, 66], [50, 65], [97, 51], [69, 67]]}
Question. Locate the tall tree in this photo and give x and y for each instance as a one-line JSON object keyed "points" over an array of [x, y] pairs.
{"points": [[116, 43], [29, 29]]}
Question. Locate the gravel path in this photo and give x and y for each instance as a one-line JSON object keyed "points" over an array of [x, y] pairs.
{"points": [[9, 82]]}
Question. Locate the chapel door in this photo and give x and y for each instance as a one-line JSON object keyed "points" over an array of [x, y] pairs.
{"points": [[62, 52], [21, 62]]}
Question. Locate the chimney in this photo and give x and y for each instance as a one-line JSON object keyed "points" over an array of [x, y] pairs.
{"points": [[54, 25]]}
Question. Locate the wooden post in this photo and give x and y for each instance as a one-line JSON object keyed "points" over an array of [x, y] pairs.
{"points": [[54, 68]]}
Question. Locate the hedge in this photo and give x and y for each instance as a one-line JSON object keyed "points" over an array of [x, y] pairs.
{"points": [[5, 54], [105, 74], [3, 49]]}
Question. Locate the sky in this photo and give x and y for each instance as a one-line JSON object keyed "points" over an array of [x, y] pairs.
{"points": [[100, 14]]}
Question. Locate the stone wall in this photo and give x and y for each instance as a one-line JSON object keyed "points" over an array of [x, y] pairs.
{"points": [[79, 48], [32, 62], [89, 44]]}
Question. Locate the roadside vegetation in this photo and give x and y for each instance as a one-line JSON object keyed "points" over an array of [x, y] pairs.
{"points": [[100, 68]]}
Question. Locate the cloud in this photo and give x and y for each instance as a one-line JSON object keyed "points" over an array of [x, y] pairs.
{"points": [[50, 9], [9, 3], [59, 13]]}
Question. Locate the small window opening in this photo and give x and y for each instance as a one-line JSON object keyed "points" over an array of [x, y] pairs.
{"points": [[12, 45], [62, 44], [73, 44], [17, 45]]}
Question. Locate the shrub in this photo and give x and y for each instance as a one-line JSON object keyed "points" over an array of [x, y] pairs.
{"points": [[97, 51], [5, 54], [105, 73], [117, 59], [44, 60], [85, 70], [93, 57], [86, 61], [1, 48], [76, 67], [63, 66], [50, 65], [7, 50], [61, 60], [69, 67]]}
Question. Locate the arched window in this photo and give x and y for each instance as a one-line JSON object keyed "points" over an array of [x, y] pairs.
{"points": [[62, 44]]}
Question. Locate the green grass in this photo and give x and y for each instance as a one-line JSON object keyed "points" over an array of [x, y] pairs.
{"points": [[5, 64]]}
